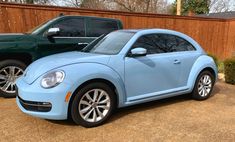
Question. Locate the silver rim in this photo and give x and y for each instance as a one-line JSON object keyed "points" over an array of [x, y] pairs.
{"points": [[8, 76], [94, 105], [204, 85]]}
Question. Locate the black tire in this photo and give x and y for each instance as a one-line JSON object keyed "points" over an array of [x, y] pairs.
{"points": [[196, 91], [80, 94], [8, 63]]}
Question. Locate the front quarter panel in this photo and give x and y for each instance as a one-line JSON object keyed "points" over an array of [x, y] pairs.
{"points": [[77, 74], [201, 63]]}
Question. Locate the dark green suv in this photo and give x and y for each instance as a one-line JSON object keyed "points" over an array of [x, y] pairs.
{"points": [[61, 34]]}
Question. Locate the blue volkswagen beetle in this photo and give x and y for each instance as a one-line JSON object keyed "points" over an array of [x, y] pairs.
{"points": [[123, 68]]}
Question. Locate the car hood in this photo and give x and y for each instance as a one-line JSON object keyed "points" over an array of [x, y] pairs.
{"points": [[8, 37], [46, 64]]}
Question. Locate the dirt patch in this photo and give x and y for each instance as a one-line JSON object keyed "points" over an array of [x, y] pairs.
{"points": [[173, 119]]}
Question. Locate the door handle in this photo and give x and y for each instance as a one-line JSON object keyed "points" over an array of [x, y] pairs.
{"points": [[177, 62]]}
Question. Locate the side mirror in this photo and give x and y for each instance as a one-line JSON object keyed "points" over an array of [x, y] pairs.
{"points": [[52, 32], [138, 52]]}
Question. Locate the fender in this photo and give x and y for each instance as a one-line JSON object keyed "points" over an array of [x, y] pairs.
{"points": [[91, 71], [200, 64]]}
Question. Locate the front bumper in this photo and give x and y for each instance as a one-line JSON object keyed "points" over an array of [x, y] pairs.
{"points": [[44, 103], [35, 106]]}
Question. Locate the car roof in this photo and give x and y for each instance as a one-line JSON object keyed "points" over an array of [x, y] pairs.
{"points": [[148, 30], [140, 32], [95, 17], [158, 31]]}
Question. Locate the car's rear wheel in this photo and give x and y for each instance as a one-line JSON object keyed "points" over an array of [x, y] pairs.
{"points": [[10, 70], [203, 86], [93, 105]]}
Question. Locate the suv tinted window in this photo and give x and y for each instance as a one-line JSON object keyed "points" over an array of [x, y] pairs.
{"points": [[163, 43], [99, 27], [71, 28]]}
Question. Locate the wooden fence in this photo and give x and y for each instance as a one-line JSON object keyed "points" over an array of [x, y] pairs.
{"points": [[216, 36]]}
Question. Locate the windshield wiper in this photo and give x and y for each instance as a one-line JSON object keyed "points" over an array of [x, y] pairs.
{"points": [[92, 44]]}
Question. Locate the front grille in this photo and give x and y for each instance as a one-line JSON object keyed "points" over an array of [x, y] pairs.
{"points": [[35, 106]]}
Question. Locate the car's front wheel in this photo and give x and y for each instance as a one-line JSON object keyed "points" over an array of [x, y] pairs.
{"points": [[93, 104], [10, 70], [203, 86]]}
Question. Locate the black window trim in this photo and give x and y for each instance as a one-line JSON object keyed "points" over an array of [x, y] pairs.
{"points": [[69, 18], [128, 53], [89, 20]]}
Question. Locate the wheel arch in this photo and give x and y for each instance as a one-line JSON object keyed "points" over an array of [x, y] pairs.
{"points": [[95, 80], [203, 63], [211, 70], [26, 58]]}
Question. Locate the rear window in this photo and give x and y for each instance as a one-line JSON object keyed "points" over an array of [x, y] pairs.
{"points": [[99, 27]]}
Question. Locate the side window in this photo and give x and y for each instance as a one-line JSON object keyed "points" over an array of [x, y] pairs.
{"points": [[99, 27], [184, 45], [177, 44], [153, 43], [71, 28], [163, 43]]}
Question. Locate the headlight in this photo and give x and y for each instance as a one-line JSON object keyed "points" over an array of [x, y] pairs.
{"points": [[52, 79]]}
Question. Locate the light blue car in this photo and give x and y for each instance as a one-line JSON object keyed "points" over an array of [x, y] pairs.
{"points": [[123, 68]]}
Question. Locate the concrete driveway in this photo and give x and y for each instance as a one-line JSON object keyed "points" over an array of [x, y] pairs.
{"points": [[174, 119]]}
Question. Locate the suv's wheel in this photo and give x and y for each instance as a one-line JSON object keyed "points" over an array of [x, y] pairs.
{"points": [[92, 105], [10, 70], [203, 86]]}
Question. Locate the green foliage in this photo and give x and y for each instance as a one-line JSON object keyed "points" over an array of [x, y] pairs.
{"points": [[220, 67], [30, 1], [215, 59], [229, 68], [195, 6], [219, 64]]}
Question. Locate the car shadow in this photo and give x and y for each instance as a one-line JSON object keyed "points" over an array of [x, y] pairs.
{"points": [[121, 112], [155, 104], [62, 122]]}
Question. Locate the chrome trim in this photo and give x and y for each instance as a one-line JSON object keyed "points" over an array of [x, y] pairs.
{"points": [[73, 37]]}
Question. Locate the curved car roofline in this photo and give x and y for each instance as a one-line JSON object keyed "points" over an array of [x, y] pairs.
{"points": [[143, 31], [149, 30], [139, 32]]}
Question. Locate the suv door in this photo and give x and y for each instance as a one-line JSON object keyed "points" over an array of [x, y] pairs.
{"points": [[72, 37], [160, 69]]}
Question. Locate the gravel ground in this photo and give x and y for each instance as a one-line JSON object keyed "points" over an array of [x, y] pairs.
{"points": [[174, 119]]}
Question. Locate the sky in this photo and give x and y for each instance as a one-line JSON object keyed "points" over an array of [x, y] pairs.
{"points": [[231, 4], [170, 1]]}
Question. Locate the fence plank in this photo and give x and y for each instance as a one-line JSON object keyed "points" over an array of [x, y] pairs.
{"points": [[216, 36]]}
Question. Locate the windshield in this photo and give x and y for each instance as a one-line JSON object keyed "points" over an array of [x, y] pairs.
{"points": [[110, 44], [40, 27]]}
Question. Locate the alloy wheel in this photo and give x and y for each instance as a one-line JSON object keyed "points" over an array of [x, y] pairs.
{"points": [[94, 105], [8, 76], [204, 85]]}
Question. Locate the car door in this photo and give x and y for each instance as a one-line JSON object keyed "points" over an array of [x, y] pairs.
{"points": [[186, 54], [154, 74], [72, 37]]}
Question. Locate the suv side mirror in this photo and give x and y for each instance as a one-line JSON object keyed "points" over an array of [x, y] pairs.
{"points": [[52, 32], [138, 52]]}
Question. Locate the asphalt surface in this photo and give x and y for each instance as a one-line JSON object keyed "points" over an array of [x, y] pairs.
{"points": [[174, 119]]}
